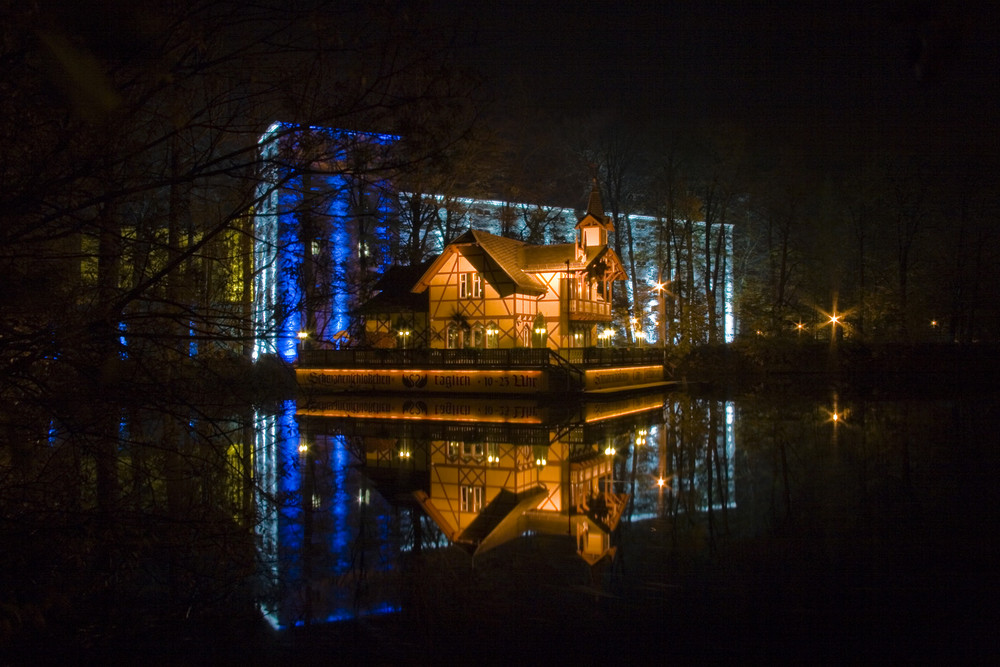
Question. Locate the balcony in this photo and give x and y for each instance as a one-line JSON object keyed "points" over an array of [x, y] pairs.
{"points": [[589, 310]]}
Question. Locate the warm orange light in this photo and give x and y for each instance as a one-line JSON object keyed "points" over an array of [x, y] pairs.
{"points": [[302, 335], [661, 482]]}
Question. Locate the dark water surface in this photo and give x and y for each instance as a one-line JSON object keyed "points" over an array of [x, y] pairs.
{"points": [[800, 525], [786, 527]]}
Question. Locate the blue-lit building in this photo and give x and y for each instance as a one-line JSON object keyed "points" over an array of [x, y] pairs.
{"points": [[327, 228], [321, 232]]}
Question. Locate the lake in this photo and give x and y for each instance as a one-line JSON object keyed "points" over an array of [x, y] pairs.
{"points": [[793, 525], [802, 523]]}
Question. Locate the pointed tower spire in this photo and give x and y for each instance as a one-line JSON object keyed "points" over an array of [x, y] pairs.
{"points": [[595, 207]]}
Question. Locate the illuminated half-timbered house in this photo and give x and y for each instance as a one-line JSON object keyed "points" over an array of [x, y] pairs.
{"points": [[488, 291]]}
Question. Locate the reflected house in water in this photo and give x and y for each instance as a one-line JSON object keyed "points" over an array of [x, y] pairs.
{"points": [[489, 471], [356, 485]]}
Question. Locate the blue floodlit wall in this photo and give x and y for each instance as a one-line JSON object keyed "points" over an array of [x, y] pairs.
{"points": [[334, 200]]}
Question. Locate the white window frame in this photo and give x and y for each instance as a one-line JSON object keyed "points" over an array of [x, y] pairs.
{"points": [[472, 498]]}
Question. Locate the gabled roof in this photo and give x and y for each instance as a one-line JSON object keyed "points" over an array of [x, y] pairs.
{"points": [[517, 260], [507, 254]]}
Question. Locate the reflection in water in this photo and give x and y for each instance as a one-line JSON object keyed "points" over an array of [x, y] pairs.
{"points": [[328, 543], [816, 537], [358, 482]]}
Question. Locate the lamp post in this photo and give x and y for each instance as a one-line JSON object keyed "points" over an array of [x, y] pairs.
{"points": [[302, 337], [607, 335], [661, 290], [404, 336]]}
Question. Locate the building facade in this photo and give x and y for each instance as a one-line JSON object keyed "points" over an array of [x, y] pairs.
{"points": [[487, 291], [327, 275]]}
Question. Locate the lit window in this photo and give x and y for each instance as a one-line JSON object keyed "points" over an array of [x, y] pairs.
{"points": [[472, 498], [470, 286], [473, 449]]}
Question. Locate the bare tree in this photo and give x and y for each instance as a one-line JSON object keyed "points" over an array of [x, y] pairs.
{"points": [[130, 174]]}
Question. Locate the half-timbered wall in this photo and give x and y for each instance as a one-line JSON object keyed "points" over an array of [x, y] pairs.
{"points": [[463, 311]]}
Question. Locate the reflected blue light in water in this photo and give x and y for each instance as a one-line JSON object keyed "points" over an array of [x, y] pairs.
{"points": [[326, 557], [122, 342]]}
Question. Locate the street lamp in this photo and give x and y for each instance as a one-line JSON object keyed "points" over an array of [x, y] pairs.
{"points": [[661, 290], [302, 336], [404, 336], [606, 336]]}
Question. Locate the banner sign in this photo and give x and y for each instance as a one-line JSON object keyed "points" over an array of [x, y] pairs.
{"points": [[457, 381], [434, 408]]}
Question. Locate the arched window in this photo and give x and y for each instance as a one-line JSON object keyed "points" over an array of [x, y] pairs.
{"points": [[477, 336], [454, 336]]}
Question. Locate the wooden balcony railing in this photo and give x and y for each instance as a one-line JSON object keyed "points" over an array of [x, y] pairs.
{"points": [[595, 309]]}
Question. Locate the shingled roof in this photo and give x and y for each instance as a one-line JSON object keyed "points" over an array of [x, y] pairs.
{"points": [[509, 254], [518, 261]]}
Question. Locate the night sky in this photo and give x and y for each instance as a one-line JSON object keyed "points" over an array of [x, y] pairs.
{"points": [[899, 76]]}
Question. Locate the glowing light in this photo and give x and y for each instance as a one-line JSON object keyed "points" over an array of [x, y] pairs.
{"points": [[405, 453], [540, 462], [610, 451], [661, 482], [303, 448], [302, 335]]}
